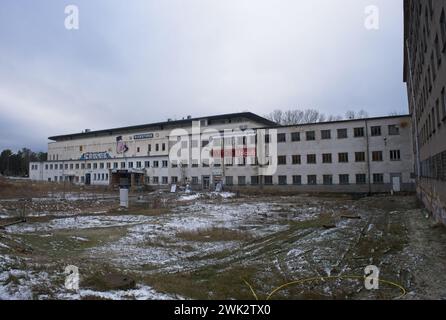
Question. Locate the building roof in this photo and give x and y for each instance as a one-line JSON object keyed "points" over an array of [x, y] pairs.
{"points": [[161, 126], [340, 121]]}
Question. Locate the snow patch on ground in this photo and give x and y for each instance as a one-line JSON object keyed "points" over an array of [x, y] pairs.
{"points": [[141, 292]]}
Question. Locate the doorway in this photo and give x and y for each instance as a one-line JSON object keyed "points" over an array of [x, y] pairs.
{"points": [[206, 182], [396, 182]]}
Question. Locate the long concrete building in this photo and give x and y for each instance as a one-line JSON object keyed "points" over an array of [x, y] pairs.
{"points": [[239, 150], [425, 76]]}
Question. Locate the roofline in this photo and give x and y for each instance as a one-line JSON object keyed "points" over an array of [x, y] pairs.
{"points": [[339, 121], [160, 125], [406, 12]]}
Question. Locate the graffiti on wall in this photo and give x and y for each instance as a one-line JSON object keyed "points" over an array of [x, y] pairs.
{"points": [[121, 146], [95, 156]]}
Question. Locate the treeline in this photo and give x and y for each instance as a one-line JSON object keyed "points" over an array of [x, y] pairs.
{"points": [[17, 164], [303, 116]]}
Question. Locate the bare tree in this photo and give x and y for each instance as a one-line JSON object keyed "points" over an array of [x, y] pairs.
{"points": [[361, 114], [298, 116]]}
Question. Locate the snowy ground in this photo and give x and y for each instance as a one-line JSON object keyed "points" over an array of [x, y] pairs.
{"points": [[209, 246]]}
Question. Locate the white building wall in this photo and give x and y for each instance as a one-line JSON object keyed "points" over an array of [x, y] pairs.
{"points": [[71, 165]]}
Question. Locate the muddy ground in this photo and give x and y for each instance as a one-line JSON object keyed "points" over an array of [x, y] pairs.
{"points": [[220, 246]]}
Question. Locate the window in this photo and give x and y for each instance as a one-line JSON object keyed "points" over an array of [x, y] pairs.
{"points": [[343, 157], [55, 166], [241, 180], [83, 166], [155, 164], [395, 155], [165, 180], [268, 180], [115, 165], [174, 179], [137, 149], [108, 165], [311, 158], [394, 130], [438, 50], [295, 136], [194, 163], [378, 178], [296, 159], [194, 180], [174, 164], [443, 103], [163, 147], [229, 180], [326, 158], [281, 160], [281, 137], [443, 27], [360, 178], [267, 138], [359, 156], [95, 165], [311, 179], [165, 163], [89, 165], [342, 134], [204, 143], [282, 180], [157, 147], [358, 132], [326, 134], [328, 179], [297, 180], [310, 135], [254, 180], [77, 166], [138, 164], [376, 131], [344, 179], [122, 165], [149, 148], [147, 164], [437, 111], [156, 180], [377, 156], [130, 164]]}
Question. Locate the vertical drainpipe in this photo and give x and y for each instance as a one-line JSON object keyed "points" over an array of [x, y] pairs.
{"points": [[368, 156]]}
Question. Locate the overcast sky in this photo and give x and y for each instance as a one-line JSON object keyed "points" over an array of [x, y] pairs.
{"points": [[135, 62]]}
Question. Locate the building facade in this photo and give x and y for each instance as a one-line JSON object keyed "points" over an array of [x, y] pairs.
{"points": [[425, 76], [239, 150]]}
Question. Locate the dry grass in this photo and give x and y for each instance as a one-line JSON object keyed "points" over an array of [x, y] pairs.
{"points": [[10, 188], [214, 235]]}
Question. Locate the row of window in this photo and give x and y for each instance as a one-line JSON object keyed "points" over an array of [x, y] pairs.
{"points": [[340, 134], [95, 177], [426, 65], [103, 165], [434, 119], [343, 157], [344, 179], [435, 167]]}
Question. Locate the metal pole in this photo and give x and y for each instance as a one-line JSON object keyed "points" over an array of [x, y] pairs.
{"points": [[417, 146]]}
